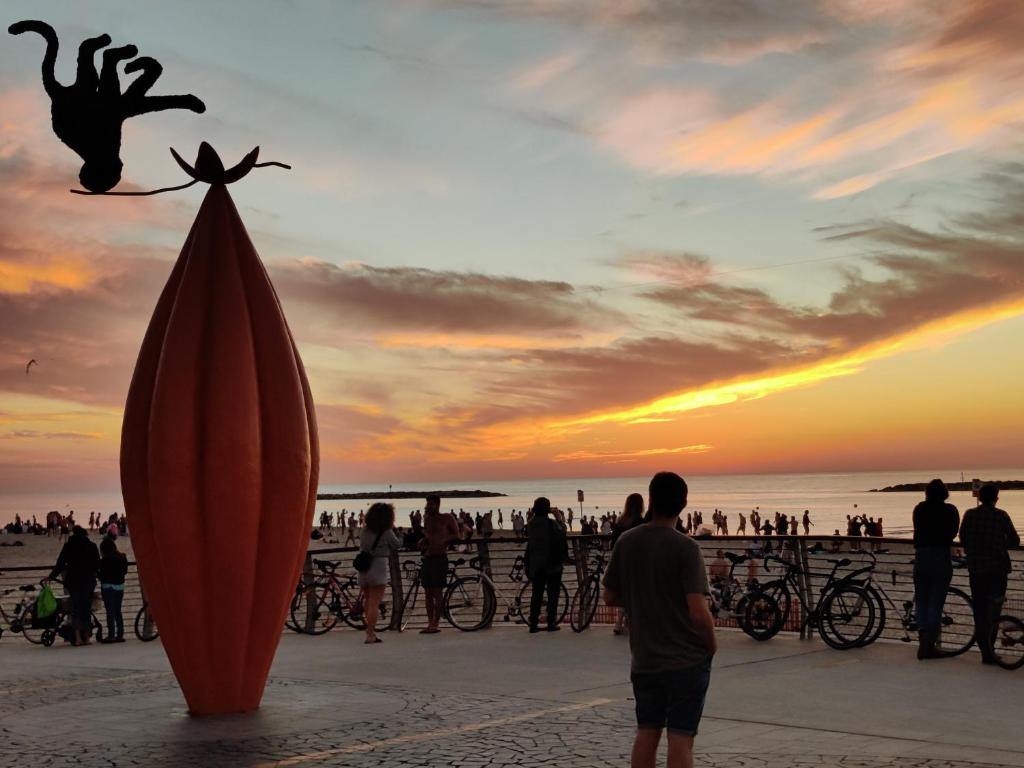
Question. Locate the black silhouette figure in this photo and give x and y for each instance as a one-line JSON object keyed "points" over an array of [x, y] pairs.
{"points": [[88, 115]]}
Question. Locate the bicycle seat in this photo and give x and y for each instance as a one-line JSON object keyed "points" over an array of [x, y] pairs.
{"points": [[841, 563], [460, 561], [735, 559], [28, 588]]}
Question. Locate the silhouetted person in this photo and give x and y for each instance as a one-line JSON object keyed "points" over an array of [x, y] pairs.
{"points": [[632, 516], [935, 525], [545, 553], [79, 561], [438, 532], [113, 568], [987, 534], [658, 576], [379, 539]]}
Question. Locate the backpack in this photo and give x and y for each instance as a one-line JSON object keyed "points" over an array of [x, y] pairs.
{"points": [[364, 559]]}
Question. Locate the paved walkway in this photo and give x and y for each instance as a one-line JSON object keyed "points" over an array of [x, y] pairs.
{"points": [[503, 698]]}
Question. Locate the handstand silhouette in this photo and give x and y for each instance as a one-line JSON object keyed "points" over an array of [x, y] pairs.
{"points": [[88, 115]]}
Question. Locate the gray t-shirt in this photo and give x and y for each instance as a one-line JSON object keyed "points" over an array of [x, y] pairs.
{"points": [[653, 568]]}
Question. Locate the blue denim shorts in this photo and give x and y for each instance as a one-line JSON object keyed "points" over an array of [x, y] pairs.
{"points": [[673, 699]]}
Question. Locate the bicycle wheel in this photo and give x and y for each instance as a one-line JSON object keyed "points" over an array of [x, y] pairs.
{"points": [[847, 617], [469, 603], [34, 629], [320, 599], [584, 605], [523, 601], [780, 592], [409, 604], [763, 618], [880, 616], [348, 606], [153, 633], [1008, 642], [956, 634]]}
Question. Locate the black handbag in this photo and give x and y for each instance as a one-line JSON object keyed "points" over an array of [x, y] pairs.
{"points": [[364, 560]]}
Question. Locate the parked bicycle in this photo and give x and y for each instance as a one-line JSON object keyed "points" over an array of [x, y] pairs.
{"points": [[956, 626], [471, 601], [145, 626], [16, 617], [844, 613], [1008, 642], [730, 596], [585, 601], [328, 599]]}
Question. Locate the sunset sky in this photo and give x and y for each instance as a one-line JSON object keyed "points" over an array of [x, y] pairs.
{"points": [[546, 238]]}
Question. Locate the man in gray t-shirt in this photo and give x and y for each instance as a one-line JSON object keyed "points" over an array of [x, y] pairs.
{"points": [[657, 574]]}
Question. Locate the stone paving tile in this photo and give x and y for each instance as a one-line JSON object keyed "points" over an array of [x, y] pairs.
{"points": [[402, 727]]}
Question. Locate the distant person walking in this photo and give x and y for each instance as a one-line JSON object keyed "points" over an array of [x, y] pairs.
{"points": [[807, 522], [632, 516], [987, 534], [546, 550], [113, 568], [935, 525], [79, 561], [439, 530], [658, 576], [379, 540]]}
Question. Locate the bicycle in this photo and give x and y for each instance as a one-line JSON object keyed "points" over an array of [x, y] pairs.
{"points": [[16, 618], [333, 598], [1008, 642], [471, 602], [412, 572], [145, 625], [584, 602], [843, 615], [730, 595], [957, 624]]}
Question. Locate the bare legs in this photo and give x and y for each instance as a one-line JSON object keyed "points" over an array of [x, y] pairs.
{"points": [[435, 599], [645, 749], [371, 610]]}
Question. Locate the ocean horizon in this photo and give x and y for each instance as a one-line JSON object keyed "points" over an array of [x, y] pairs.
{"points": [[830, 496]]}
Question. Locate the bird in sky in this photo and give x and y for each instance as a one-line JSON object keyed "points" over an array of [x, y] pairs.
{"points": [[30, 364]]}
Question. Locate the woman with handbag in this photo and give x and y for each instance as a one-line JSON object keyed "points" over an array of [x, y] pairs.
{"points": [[376, 544]]}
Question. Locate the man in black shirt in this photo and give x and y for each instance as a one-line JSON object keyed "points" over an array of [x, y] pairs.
{"points": [[546, 551], [987, 534]]}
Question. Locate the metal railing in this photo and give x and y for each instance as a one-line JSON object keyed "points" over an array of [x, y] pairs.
{"points": [[498, 556]]}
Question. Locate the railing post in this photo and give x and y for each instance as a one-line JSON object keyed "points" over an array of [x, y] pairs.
{"points": [[804, 583], [579, 554], [483, 550], [307, 587], [395, 566]]}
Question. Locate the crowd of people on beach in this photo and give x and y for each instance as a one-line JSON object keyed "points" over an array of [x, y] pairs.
{"points": [[60, 525]]}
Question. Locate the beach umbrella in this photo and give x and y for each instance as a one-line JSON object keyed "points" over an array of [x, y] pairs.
{"points": [[219, 457]]}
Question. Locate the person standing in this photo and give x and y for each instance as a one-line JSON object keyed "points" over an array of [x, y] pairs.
{"points": [[658, 576], [546, 550], [113, 568], [501, 521], [632, 516], [79, 561], [439, 530], [379, 540], [935, 526], [807, 522], [986, 534]]}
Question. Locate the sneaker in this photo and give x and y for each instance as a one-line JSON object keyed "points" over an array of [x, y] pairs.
{"points": [[553, 628], [534, 629]]}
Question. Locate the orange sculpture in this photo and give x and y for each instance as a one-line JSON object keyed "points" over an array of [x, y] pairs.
{"points": [[219, 458]]}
